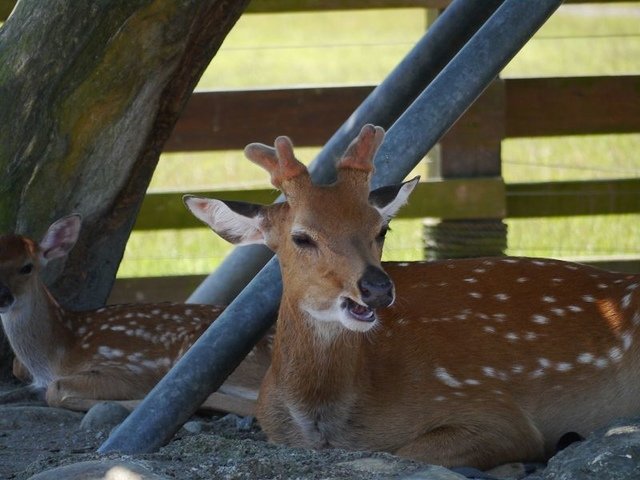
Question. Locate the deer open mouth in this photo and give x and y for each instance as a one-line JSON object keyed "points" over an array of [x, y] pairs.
{"points": [[359, 312]]}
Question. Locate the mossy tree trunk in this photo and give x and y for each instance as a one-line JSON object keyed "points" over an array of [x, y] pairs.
{"points": [[89, 93]]}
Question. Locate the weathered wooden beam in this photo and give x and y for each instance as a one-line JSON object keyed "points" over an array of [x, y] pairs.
{"points": [[451, 199], [534, 107], [460, 198], [232, 119], [284, 6], [572, 106], [593, 197]]}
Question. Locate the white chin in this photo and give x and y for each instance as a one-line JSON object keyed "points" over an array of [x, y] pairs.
{"points": [[338, 314]]}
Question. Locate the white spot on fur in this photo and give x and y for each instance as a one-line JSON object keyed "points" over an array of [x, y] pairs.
{"points": [[517, 368], [445, 377], [512, 336], [510, 260], [544, 363], [537, 373], [548, 299], [109, 352], [530, 336], [558, 311], [585, 358], [563, 366], [627, 340], [588, 298], [479, 270], [575, 308], [471, 280], [489, 329], [601, 363], [471, 381], [522, 279], [615, 354], [502, 296], [475, 295], [626, 301], [439, 398], [539, 319]]}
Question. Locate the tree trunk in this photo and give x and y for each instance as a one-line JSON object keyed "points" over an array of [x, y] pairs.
{"points": [[89, 93]]}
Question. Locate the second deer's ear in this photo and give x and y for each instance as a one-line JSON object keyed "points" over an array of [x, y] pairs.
{"points": [[239, 223], [388, 200], [60, 238]]}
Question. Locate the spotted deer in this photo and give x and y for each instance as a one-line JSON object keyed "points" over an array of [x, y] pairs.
{"points": [[114, 353], [473, 362]]}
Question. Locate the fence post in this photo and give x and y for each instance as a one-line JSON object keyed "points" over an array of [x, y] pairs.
{"points": [[470, 149]]}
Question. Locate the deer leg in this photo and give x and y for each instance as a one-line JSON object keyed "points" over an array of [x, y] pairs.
{"points": [[490, 438], [98, 384], [20, 371]]}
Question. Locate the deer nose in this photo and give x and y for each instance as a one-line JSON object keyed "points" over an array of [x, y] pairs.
{"points": [[6, 298], [375, 288]]}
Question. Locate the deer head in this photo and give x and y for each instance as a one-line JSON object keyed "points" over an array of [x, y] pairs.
{"points": [[328, 238], [21, 259]]}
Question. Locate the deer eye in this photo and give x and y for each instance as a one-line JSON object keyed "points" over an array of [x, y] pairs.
{"points": [[26, 269], [303, 240]]}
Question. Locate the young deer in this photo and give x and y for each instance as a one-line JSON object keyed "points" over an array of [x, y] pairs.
{"points": [[473, 362], [114, 353]]}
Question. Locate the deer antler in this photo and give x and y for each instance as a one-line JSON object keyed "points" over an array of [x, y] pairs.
{"points": [[280, 161], [360, 152]]}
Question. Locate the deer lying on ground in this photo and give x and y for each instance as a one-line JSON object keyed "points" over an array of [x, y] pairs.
{"points": [[474, 362], [114, 353]]}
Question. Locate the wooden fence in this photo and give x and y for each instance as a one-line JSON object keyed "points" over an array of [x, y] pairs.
{"points": [[532, 107]]}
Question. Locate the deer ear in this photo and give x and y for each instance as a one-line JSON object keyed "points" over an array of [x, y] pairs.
{"points": [[388, 200], [60, 238], [237, 222]]}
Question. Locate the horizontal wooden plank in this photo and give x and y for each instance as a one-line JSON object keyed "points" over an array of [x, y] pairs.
{"points": [[232, 119], [154, 289], [459, 198], [283, 6], [572, 106], [593, 197], [539, 106], [451, 199]]}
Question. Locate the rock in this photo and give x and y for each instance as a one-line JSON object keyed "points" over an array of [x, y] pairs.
{"points": [[370, 465], [193, 426], [99, 470], [104, 416], [607, 454], [434, 472]]}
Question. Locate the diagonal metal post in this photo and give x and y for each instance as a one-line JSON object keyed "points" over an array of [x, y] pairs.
{"points": [[382, 107], [214, 356]]}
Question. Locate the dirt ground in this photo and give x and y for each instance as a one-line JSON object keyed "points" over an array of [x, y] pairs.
{"points": [[35, 438]]}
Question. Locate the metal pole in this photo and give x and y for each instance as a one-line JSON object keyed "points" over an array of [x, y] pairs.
{"points": [[458, 85], [214, 356], [382, 107]]}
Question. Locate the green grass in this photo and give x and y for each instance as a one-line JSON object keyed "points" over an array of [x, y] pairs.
{"points": [[361, 48]]}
